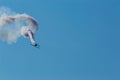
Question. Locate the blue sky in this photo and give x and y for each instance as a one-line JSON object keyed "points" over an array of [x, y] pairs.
{"points": [[79, 41]]}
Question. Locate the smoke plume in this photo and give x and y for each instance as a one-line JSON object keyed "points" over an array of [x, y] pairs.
{"points": [[12, 24]]}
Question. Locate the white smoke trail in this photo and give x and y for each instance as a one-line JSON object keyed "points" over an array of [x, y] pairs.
{"points": [[13, 25]]}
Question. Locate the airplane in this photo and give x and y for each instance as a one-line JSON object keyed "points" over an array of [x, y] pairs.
{"points": [[36, 45]]}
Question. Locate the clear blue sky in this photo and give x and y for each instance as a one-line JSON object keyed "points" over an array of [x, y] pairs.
{"points": [[80, 40]]}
